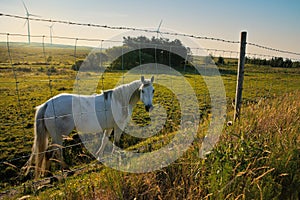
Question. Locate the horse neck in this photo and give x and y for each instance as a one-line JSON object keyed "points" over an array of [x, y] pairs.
{"points": [[130, 93], [134, 90], [135, 97]]}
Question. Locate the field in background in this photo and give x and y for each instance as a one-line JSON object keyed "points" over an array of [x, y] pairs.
{"points": [[248, 159]]}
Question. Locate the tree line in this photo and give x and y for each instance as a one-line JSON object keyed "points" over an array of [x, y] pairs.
{"points": [[137, 51], [273, 62], [140, 50]]}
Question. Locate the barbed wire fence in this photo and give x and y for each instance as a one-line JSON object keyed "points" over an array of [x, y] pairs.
{"points": [[76, 53]]}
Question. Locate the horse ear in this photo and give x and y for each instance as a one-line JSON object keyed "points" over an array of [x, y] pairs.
{"points": [[152, 79], [142, 79]]}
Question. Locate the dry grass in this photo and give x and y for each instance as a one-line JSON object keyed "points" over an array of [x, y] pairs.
{"points": [[257, 158]]}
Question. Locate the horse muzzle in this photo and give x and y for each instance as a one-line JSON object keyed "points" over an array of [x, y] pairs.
{"points": [[149, 108]]}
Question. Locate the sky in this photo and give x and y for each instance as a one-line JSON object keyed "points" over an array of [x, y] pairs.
{"points": [[273, 23]]}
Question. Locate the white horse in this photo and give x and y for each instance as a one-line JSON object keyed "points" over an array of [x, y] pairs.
{"points": [[101, 113]]}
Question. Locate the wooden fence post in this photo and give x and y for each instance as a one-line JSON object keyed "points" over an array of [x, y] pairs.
{"points": [[240, 76]]}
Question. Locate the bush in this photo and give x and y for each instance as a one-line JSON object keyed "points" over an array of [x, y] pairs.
{"points": [[77, 65], [220, 61], [51, 70]]}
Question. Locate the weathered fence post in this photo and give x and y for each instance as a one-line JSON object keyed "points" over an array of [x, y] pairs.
{"points": [[240, 76]]}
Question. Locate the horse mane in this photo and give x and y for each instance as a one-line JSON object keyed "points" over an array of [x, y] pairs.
{"points": [[124, 93]]}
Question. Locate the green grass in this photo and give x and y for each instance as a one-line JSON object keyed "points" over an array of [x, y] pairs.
{"points": [[36, 53], [247, 163], [257, 158]]}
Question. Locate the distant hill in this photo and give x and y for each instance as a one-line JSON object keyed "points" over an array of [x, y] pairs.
{"points": [[37, 53]]}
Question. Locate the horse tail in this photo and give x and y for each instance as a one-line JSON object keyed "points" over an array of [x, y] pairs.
{"points": [[40, 144]]}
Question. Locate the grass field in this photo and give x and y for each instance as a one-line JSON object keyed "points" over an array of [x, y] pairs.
{"points": [[256, 158]]}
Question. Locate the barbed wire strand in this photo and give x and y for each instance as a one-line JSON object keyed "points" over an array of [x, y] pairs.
{"points": [[146, 30], [62, 37], [209, 50], [116, 27], [272, 49]]}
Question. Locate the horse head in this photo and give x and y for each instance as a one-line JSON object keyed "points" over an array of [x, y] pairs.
{"points": [[147, 92]]}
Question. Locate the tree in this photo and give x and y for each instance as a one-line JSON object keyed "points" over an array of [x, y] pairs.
{"points": [[92, 62], [220, 61], [296, 64], [77, 65], [288, 63], [142, 50]]}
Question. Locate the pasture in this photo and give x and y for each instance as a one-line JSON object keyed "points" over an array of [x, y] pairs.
{"points": [[257, 157]]}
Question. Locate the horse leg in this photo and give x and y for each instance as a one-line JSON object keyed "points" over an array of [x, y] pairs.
{"points": [[58, 130], [117, 135], [59, 155], [106, 134], [50, 153]]}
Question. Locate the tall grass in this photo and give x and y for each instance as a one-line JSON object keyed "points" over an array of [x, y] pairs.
{"points": [[256, 158]]}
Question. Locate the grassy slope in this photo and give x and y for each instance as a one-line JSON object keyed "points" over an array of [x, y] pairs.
{"points": [[256, 158]]}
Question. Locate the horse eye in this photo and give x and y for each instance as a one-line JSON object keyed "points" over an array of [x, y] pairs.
{"points": [[143, 91], [153, 91]]}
